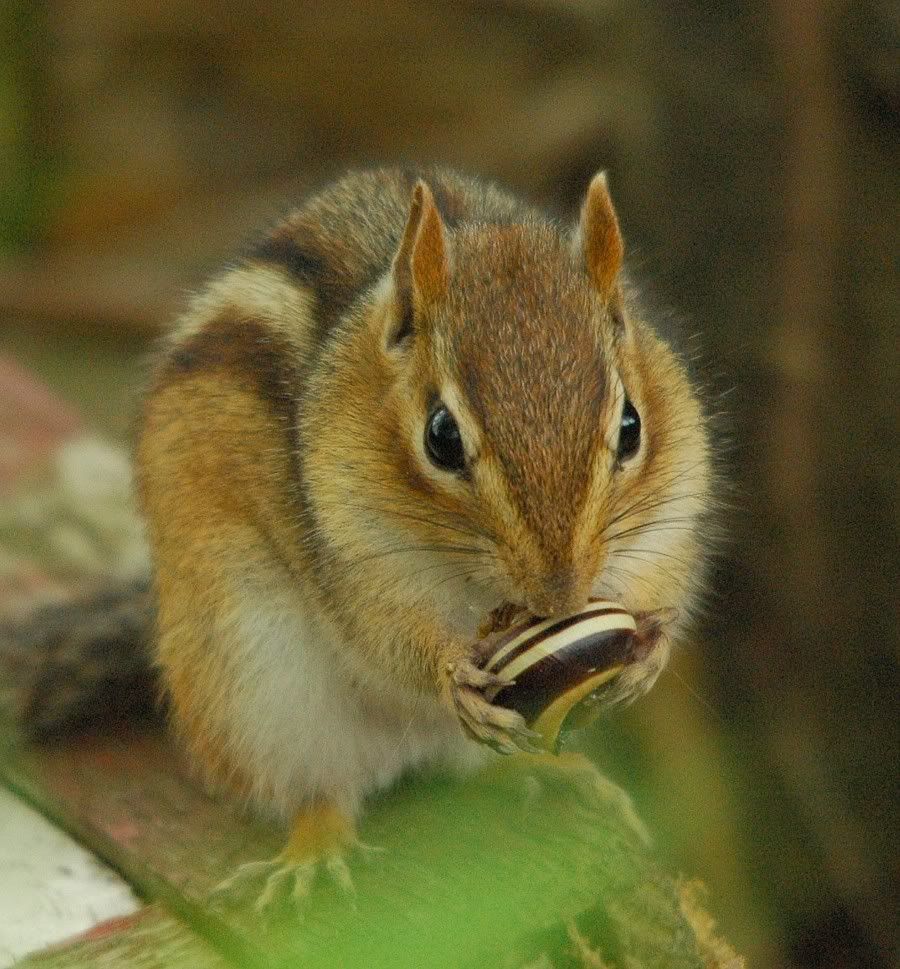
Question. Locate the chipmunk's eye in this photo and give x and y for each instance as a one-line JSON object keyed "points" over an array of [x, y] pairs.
{"points": [[629, 432], [443, 442]]}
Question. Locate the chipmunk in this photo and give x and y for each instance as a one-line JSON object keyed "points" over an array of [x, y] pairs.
{"points": [[416, 401]]}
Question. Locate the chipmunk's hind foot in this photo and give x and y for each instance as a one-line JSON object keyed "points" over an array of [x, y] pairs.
{"points": [[321, 842]]}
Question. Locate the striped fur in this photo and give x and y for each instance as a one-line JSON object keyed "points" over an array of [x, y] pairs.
{"points": [[316, 573]]}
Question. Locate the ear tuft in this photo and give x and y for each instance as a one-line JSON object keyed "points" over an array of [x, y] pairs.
{"points": [[421, 268], [599, 236]]}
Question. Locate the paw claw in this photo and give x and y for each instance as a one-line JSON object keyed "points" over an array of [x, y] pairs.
{"points": [[499, 728], [366, 851], [304, 876], [468, 674], [248, 872], [273, 888], [339, 872], [283, 878]]}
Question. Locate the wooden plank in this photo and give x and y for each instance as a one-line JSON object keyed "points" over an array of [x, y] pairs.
{"points": [[51, 887], [128, 791], [472, 873], [126, 796], [33, 421], [152, 939]]}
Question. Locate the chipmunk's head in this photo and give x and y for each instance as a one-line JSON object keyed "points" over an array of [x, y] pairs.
{"points": [[545, 444]]}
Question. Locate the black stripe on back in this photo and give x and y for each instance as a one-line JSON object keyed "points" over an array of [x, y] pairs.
{"points": [[335, 286], [281, 249]]}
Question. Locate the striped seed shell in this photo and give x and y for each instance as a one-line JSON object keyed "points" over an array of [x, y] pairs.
{"points": [[553, 665]]}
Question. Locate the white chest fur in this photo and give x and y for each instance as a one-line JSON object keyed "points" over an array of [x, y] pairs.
{"points": [[299, 727]]}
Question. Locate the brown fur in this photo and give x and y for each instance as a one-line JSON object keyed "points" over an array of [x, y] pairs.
{"points": [[216, 499], [283, 437], [420, 269]]}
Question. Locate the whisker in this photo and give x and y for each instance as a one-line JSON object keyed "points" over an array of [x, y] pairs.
{"points": [[661, 525], [665, 485], [650, 504], [710, 709], [449, 578], [636, 553], [418, 549], [394, 512], [627, 573], [661, 568]]}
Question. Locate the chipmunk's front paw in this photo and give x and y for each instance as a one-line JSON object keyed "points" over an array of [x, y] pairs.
{"points": [[321, 844], [468, 687]]}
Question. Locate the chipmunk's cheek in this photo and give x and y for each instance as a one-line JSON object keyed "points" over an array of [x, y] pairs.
{"points": [[651, 651], [639, 677], [506, 580], [463, 614], [629, 586]]}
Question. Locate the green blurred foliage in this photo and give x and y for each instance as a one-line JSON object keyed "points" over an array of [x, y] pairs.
{"points": [[27, 164]]}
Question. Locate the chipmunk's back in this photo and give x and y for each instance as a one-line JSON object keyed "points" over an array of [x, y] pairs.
{"points": [[342, 240]]}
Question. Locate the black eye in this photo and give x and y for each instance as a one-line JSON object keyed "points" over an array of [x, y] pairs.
{"points": [[443, 441], [629, 432]]}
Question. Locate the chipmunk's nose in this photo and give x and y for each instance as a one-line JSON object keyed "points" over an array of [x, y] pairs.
{"points": [[558, 593]]}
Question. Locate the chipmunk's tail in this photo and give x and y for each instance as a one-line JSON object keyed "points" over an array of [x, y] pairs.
{"points": [[81, 662]]}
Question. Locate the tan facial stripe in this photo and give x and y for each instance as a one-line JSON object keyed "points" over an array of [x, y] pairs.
{"points": [[553, 643]]}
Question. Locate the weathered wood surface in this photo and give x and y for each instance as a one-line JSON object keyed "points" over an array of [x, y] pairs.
{"points": [[473, 874], [152, 939], [50, 886]]}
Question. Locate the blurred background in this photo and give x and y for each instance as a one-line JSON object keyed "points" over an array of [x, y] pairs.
{"points": [[753, 153]]}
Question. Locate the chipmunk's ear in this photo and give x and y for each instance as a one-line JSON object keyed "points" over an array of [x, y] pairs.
{"points": [[421, 269], [598, 239]]}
